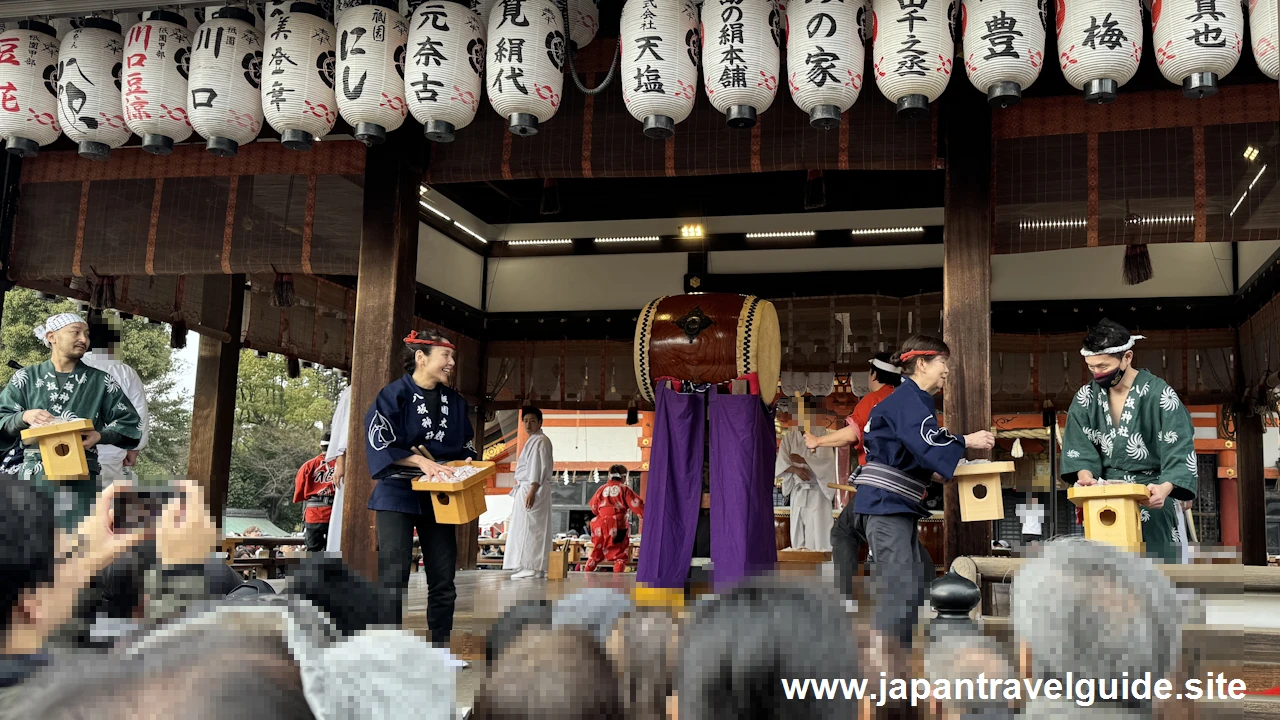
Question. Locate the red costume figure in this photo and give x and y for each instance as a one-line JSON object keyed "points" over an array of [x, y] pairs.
{"points": [[610, 528]]}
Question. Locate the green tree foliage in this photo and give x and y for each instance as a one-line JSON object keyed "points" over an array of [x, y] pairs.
{"points": [[279, 424]]}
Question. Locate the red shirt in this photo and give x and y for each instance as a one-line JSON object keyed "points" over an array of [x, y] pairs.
{"points": [[862, 413], [314, 478]]}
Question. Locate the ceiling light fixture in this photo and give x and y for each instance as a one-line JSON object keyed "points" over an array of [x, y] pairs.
{"points": [[561, 241], [648, 238], [1256, 178], [886, 231], [1057, 224], [1160, 220], [470, 232], [424, 204], [1251, 153], [792, 233], [691, 231]]}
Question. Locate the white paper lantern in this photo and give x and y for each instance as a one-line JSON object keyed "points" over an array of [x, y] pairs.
{"points": [[825, 54], [1003, 47], [340, 8], [1197, 42], [1099, 45], [525, 69], [740, 57], [445, 75], [482, 8], [913, 50], [157, 58], [1265, 36], [409, 7], [90, 109], [29, 87], [371, 52], [661, 41], [298, 76], [226, 75], [584, 21]]}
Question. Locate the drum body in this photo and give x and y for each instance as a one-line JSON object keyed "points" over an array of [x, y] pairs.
{"points": [[708, 338]]}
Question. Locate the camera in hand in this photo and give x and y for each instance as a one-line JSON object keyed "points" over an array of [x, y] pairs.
{"points": [[138, 508]]}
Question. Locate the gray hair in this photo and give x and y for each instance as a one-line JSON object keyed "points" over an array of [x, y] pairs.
{"points": [[953, 657], [1097, 611]]}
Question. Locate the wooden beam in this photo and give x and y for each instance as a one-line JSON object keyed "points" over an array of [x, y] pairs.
{"points": [[966, 296], [384, 315], [213, 410], [1251, 481]]}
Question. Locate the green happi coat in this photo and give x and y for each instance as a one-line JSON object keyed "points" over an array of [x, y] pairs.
{"points": [[84, 393], [1154, 443]]}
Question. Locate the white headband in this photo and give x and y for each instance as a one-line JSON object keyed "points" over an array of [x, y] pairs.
{"points": [[1113, 350], [54, 324], [875, 362]]}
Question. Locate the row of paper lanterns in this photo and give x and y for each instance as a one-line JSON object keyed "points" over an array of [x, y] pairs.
{"points": [[288, 65]]}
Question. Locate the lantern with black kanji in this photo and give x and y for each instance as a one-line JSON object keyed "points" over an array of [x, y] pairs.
{"points": [[913, 50], [524, 73], [157, 60], [371, 51], [29, 87], [1197, 42], [482, 8], [1003, 47], [298, 76], [660, 44], [1099, 45], [90, 110], [444, 78], [741, 53], [825, 52], [1265, 36], [584, 21], [226, 75]]}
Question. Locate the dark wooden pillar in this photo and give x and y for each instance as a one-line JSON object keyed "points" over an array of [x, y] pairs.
{"points": [[384, 315], [966, 295], [213, 410], [1250, 476]]}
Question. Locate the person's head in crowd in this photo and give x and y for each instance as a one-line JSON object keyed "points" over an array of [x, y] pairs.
{"points": [[428, 355], [217, 674], [1096, 611], [644, 647], [926, 360], [557, 673], [883, 372], [593, 610], [27, 552], [351, 602], [105, 331], [513, 623], [737, 649], [968, 656], [532, 419]]}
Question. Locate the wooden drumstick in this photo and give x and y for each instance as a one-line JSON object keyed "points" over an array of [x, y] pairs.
{"points": [[805, 423]]}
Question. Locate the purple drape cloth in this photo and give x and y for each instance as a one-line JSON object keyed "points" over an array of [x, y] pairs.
{"points": [[674, 491], [743, 449]]}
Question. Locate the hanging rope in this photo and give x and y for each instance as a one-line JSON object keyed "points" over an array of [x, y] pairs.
{"points": [[571, 50]]}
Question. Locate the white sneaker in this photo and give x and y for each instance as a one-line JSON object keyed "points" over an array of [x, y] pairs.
{"points": [[542, 574], [523, 575]]}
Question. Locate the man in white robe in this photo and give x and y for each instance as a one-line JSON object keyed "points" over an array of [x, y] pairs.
{"points": [[529, 531], [104, 333], [805, 476], [338, 450]]}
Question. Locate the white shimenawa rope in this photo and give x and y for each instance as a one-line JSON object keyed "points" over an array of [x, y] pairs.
{"points": [[1113, 350]]}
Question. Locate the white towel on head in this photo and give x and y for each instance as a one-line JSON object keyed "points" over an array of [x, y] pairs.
{"points": [[54, 324]]}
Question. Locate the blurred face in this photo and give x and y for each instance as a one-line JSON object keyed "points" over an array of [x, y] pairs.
{"points": [[71, 341], [532, 423], [1108, 369], [931, 372], [438, 364]]}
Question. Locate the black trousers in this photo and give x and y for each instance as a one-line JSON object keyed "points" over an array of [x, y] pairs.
{"points": [[901, 568], [439, 559], [316, 536]]}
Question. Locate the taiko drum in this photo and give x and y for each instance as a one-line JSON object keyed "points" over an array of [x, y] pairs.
{"points": [[708, 338]]}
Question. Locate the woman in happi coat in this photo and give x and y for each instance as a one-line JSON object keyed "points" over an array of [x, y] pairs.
{"points": [[61, 389], [1128, 425], [416, 425], [905, 449]]}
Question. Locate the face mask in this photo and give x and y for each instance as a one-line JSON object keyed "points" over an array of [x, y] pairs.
{"points": [[1109, 380]]}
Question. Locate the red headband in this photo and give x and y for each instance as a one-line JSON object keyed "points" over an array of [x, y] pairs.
{"points": [[413, 339], [917, 353]]}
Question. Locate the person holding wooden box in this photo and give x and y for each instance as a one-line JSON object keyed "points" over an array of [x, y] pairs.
{"points": [[63, 389], [416, 425]]}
